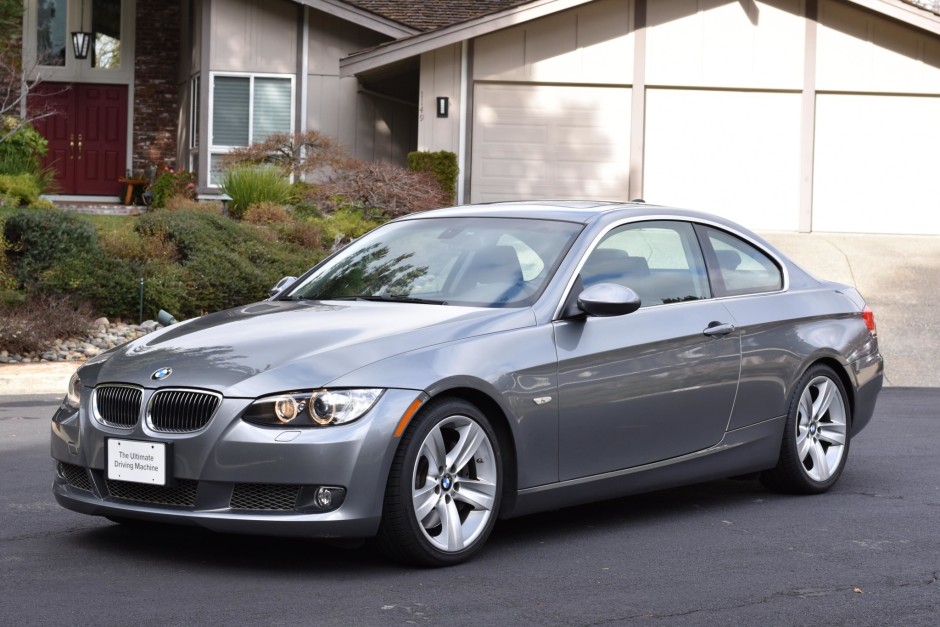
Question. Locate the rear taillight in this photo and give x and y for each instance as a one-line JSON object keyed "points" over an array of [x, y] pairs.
{"points": [[869, 317]]}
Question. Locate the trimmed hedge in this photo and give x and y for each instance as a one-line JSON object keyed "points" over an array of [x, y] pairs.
{"points": [[199, 262], [38, 239], [223, 263], [442, 165]]}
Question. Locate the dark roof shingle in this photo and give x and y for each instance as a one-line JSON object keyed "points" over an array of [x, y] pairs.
{"points": [[930, 5], [427, 15]]}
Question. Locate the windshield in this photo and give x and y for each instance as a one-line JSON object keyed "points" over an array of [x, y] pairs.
{"points": [[484, 262]]}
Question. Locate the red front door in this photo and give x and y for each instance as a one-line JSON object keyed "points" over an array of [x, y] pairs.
{"points": [[86, 127]]}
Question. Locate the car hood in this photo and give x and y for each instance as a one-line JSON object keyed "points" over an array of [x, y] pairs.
{"points": [[276, 346]]}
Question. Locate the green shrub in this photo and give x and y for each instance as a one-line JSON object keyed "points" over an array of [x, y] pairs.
{"points": [[56, 253], [111, 284], [172, 183], [19, 190], [442, 165], [265, 213], [38, 239], [307, 235], [223, 263], [191, 262], [345, 224], [252, 184], [22, 148]]}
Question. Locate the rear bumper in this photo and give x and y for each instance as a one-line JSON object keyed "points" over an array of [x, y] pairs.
{"points": [[869, 373]]}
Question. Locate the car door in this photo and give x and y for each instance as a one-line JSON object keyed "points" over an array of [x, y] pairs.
{"points": [[653, 384]]}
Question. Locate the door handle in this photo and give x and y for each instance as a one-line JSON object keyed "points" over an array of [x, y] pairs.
{"points": [[79, 146], [716, 329], [72, 146]]}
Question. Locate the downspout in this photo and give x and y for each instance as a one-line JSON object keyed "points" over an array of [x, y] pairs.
{"points": [[462, 136], [303, 78], [205, 81]]}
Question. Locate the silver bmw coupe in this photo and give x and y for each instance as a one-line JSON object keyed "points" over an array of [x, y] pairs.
{"points": [[462, 365]]}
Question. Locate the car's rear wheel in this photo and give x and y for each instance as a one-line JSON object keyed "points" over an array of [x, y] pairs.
{"points": [[443, 490], [816, 435]]}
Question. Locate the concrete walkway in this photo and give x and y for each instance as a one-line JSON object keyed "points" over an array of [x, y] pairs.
{"points": [[897, 274]]}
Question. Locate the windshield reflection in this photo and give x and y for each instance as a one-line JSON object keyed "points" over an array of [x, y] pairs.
{"points": [[487, 262]]}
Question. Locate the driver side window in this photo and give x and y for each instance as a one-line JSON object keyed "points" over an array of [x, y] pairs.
{"points": [[661, 261]]}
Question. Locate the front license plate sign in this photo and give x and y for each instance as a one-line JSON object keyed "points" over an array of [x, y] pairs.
{"points": [[140, 462]]}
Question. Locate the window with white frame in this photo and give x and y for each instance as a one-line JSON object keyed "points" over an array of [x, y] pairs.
{"points": [[246, 109]]}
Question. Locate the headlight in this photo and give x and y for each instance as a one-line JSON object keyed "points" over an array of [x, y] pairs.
{"points": [[73, 397], [308, 409]]}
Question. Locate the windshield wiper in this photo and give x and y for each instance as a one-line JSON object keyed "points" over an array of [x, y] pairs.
{"points": [[390, 298]]}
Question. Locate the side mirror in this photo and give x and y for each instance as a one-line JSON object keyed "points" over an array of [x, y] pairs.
{"points": [[282, 285], [608, 299]]}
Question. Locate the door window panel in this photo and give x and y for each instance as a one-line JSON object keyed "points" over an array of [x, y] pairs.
{"points": [[660, 261], [742, 268], [106, 34], [51, 32]]}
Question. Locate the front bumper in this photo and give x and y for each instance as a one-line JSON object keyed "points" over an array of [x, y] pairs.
{"points": [[238, 477]]}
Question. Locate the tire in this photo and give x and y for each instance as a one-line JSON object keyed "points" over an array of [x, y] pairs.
{"points": [[443, 492], [816, 435]]}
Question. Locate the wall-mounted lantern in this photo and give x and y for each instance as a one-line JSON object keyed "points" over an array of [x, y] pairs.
{"points": [[81, 40], [443, 106]]}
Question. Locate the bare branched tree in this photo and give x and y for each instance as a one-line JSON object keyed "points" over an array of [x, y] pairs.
{"points": [[298, 154], [16, 81]]}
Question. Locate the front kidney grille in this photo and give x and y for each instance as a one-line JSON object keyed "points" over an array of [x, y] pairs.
{"points": [[183, 494], [181, 411], [117, 405], [264, 496], [75, 476]]}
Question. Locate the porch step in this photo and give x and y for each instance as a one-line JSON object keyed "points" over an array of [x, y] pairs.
{"points": [[99, 208]]}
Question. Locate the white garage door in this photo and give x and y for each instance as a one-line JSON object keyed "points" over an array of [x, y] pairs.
{"points": [[547, 141], [876, 164], [733, 153]]}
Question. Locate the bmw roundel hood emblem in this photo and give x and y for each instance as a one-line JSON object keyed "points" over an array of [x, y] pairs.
{"points": [[161, 374]]}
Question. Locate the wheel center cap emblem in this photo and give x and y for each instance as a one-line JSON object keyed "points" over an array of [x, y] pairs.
{"points": [[812, 429], [446, 482], [161, 374]]}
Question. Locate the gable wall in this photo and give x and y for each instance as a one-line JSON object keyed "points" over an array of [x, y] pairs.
{"points": [[254, 36], [755, 110], [370, 127]]}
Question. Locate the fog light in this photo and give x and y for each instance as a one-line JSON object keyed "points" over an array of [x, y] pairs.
{"points": [[324, 498]]}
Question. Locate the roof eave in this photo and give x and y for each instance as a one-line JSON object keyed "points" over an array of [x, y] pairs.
{"points": [[361, 17], [432, 40], [904, 12], [426, 42]]}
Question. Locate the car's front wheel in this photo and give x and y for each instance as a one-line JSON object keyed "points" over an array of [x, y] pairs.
{"points": [[816, 435], [443, 490]]}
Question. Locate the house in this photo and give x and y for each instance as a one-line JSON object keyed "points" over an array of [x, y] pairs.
{"points": [[783, 114]]}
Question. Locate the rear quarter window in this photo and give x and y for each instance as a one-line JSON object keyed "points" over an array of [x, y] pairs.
{"points": [[737, 267]]}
